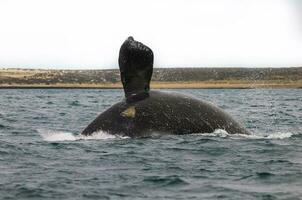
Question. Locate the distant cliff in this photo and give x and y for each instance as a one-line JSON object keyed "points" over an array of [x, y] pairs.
{"points": [[101, 78]]}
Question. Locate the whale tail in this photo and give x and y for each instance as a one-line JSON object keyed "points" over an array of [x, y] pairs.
{"points": [[136, 68]]}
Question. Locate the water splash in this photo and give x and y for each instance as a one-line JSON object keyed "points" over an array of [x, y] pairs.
{"points": [[57, 136]]}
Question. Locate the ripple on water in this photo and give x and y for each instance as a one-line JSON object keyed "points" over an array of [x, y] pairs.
{"points": [[264, 175], [3, 126], [62, 114], [74, 103], [165, 181]]}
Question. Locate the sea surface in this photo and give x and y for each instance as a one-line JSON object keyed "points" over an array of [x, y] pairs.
{"points": [[42, 155]]}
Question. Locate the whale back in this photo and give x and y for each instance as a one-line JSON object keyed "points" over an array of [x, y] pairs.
{"points": [[164, 113]]}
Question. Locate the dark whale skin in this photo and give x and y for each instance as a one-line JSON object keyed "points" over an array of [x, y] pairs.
{"points": [[144, 112], [163, 113]]}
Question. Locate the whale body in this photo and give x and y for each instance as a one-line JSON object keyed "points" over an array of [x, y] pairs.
{"points": [[163, 113], [144, 112]]}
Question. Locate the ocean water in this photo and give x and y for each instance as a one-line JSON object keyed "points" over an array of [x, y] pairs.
{"points": [[42, 155]]}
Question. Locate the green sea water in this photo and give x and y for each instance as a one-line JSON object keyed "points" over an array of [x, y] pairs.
{"points": [[42, 155]]}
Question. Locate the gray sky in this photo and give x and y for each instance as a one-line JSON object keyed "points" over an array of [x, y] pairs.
{"points": [[87, 34]]}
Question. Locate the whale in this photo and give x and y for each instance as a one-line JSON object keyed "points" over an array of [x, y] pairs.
{"points": [[144, 112]]}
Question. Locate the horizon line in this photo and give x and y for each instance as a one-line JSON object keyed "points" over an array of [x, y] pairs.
{"points": [[167, 67]]}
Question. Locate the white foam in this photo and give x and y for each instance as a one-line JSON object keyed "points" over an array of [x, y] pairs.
{"points": [[217, 133], [57, 136], [274, 135], [280, 135]]}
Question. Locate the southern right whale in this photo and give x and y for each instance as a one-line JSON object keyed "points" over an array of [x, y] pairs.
{"points": [[144, 112]]}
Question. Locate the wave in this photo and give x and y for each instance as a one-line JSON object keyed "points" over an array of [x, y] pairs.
{"points": [[57, 136]]}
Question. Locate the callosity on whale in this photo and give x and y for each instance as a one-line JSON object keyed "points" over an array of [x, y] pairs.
{"points": [[144, 112]]}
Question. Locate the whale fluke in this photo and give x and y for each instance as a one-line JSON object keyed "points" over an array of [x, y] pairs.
{"points": [[136, 67]]}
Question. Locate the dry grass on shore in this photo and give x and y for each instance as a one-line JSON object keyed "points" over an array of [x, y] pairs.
{"points": [[228, 78]]}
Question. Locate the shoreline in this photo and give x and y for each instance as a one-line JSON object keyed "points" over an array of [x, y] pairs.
{"points": [[166, 85], [163, 78]]}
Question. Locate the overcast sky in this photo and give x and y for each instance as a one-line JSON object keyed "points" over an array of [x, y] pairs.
{"points": [[87, 34]]}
